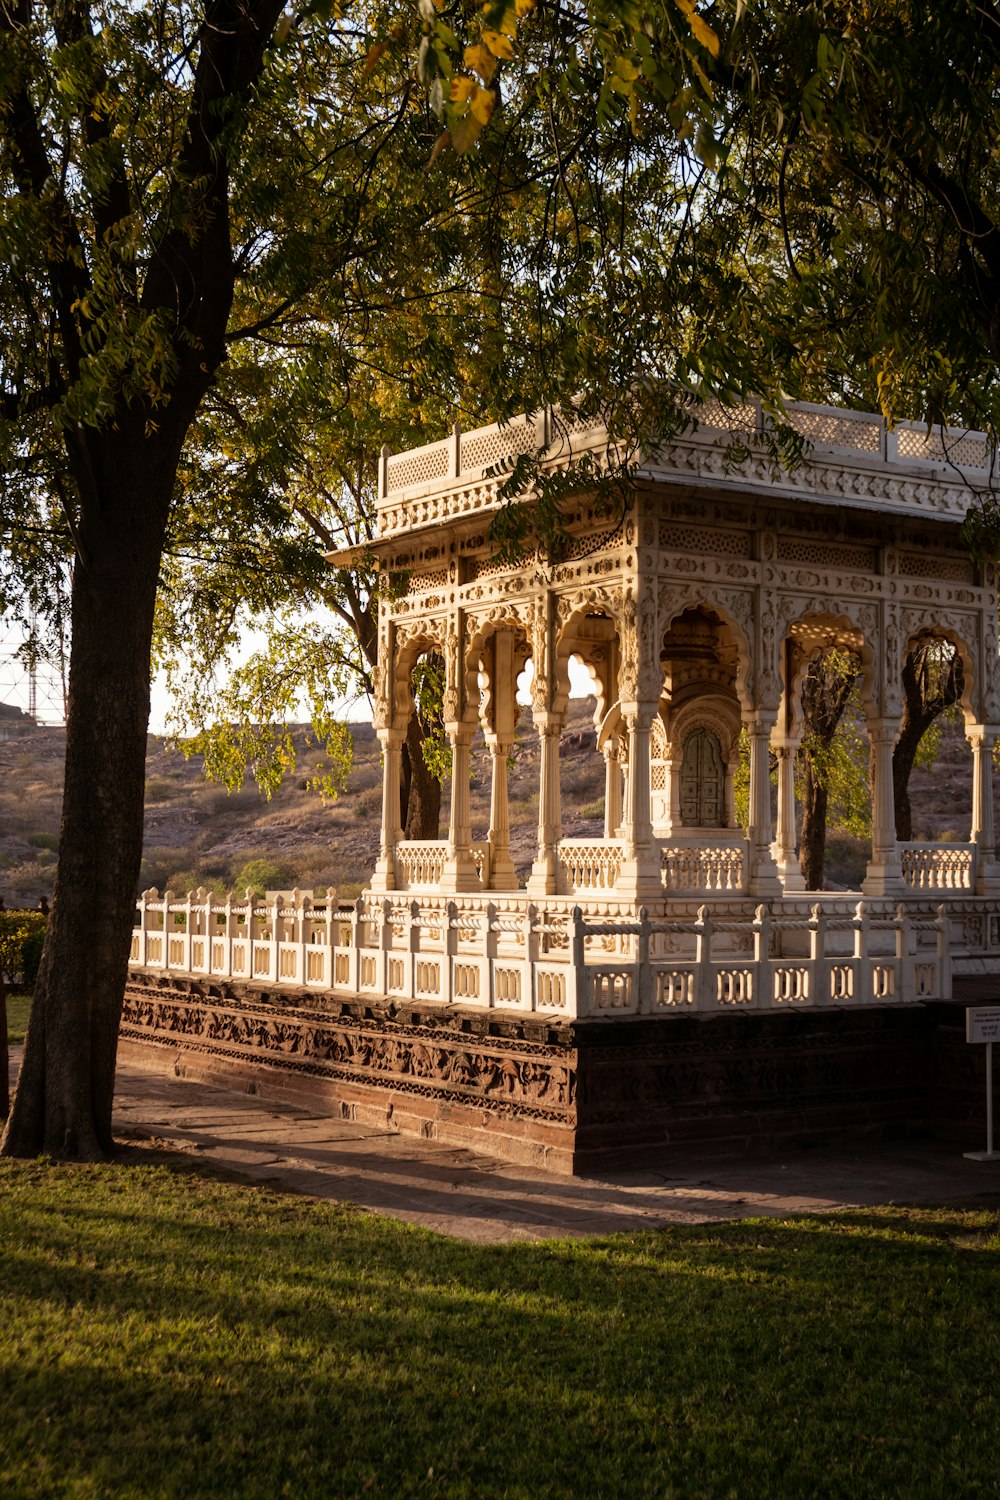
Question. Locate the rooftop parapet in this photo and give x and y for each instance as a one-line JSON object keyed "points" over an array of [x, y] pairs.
{"points": [[853, 459]]}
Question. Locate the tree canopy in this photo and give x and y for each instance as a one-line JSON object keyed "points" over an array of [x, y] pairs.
{"points": [[240, 247]]}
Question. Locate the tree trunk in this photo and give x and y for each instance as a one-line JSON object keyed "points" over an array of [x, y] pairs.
{"points": [[63, 1099], [933, 680], [812, 842], [903, 756], [422, 813]]}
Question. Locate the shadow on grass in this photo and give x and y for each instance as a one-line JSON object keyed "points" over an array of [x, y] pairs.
{"points": [[166, 1333]]}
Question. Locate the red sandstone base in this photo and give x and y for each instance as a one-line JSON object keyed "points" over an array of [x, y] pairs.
{"points": [[571, 1098]]}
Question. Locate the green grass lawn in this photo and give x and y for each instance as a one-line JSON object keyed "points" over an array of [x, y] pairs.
{"points": [[166, 1334], [18, 1007]]}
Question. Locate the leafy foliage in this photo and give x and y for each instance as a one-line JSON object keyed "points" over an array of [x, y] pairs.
{"points": [[22, 934]]}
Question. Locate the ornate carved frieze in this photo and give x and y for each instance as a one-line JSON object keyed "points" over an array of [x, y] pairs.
{"points": [[506, 1075]]}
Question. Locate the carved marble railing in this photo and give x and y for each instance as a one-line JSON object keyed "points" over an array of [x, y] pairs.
{"points": [[589, 865], [510, 955], [704, 867], [420, 863], [286, 939], [885, 961], [939, 867]]}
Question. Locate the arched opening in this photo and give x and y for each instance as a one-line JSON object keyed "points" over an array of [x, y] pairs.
{"points": [[699, 722]]}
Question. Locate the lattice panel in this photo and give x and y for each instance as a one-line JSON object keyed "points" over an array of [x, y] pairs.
{"points": [[838, 430], [734, 419], [419, 581], [567, 419], [417, 468], [824, 554], [955, 569], [487, 569], [481, 449], [970, 451], [704, 539], [583, 546]]}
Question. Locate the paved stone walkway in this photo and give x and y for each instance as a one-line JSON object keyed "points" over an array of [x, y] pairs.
{"points": [[475, 1198]]}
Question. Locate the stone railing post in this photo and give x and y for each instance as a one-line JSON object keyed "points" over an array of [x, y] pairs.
{"points": [[579, 999], [944, 951], [762, 928], [705, 999], [227, 932], [529, 951], [906, 948], [185, 965], [139, 932], [357, 945], [644, 967], [821, 987], [412, 947]]}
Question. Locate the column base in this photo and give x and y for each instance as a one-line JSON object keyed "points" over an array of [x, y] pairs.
{"points": [[988, 878], [503, 876], [383, 877], [790, 876], [639, 879], [762, 877], [460, 875], [544, 877], [885, 880]]}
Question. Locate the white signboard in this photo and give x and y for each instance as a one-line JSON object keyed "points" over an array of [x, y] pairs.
{"points": [[982, 1023]]}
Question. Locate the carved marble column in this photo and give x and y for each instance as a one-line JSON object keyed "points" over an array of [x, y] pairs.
{"points": [[612, 787], [502, 876], [763, 871], [460, 873], [640, 872], [982, 738], [499, 714], [885, 871], [544, 878], [384, 877], [783, 847]]}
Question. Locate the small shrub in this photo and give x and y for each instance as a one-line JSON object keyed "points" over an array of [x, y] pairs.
{"points": [[31, 955], [22, 934], [48, 841], [593, 809], [263, 874], [159, 790]]}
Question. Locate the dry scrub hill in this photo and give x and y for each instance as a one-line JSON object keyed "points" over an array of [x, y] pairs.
{"points": [[198, 835]]}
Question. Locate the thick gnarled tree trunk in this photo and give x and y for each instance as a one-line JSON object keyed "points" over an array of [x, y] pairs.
{"points": [[122, 454], [62, 1104]]}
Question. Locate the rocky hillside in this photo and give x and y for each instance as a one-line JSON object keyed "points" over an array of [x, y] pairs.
{"points": [[196, 834]]}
